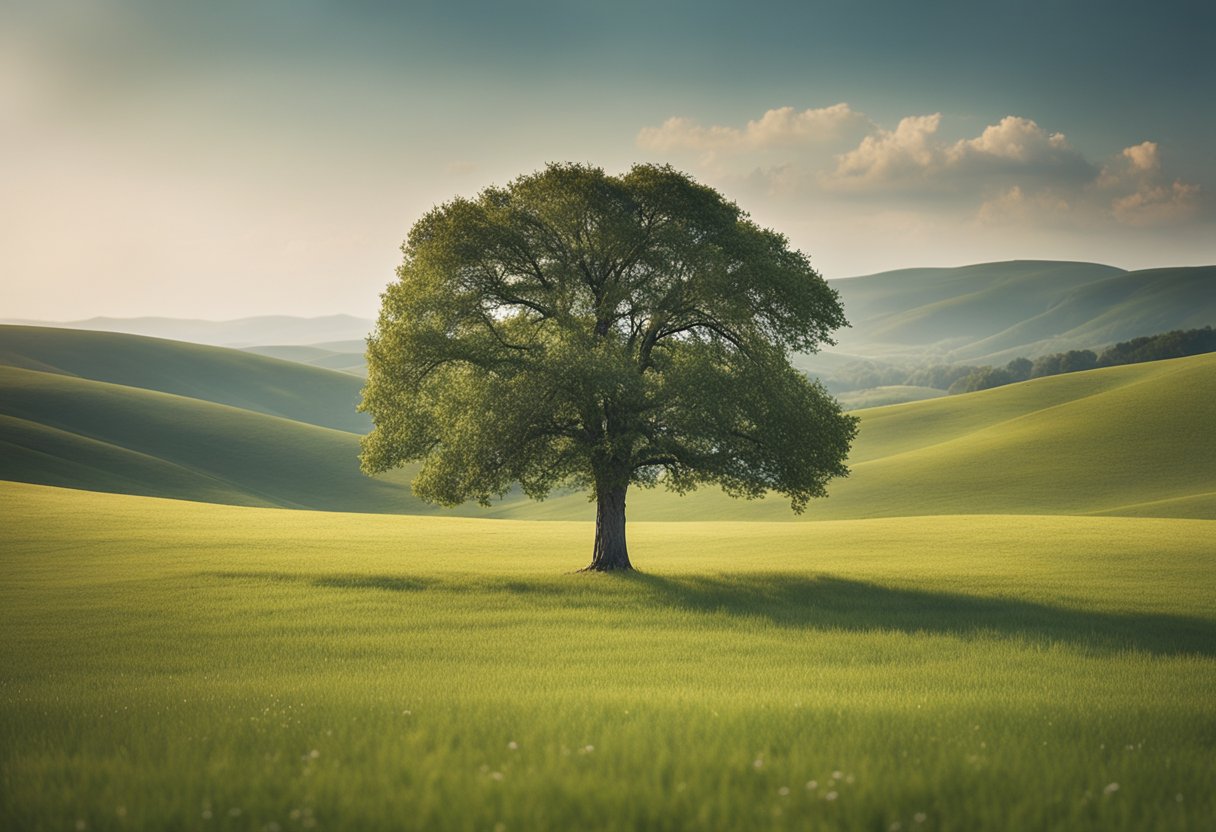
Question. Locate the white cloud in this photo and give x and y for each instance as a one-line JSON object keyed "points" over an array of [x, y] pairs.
{"points": [[1136, 191], [1157, 204], [913, 155], [783, 127], [1024, 208], [1143, 156], [1014, 138], [1013, 188], [887, 155]]}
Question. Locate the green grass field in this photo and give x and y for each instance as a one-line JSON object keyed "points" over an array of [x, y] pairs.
{"points": [[174, 665]]}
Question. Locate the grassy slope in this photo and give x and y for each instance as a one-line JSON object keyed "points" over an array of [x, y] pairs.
{"points": [[263, 329], [992, 312], [1129, 440], [883, 396], [314, 356], [175, 665], [1116, 309], [257, 383], [61, 430], [927, 306]]}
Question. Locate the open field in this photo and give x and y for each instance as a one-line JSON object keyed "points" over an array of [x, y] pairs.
{"points": [[187, 666]]}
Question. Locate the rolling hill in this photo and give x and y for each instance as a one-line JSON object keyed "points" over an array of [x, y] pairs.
{"points": [[242, 332], [1125, 440], [224, 376], [65, 431], [992, 312], [346, 356]]}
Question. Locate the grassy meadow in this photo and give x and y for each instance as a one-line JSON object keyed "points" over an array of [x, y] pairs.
{"points": [[175, 665]]}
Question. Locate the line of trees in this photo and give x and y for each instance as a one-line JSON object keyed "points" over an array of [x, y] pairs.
{"points": [[863, 375], [1174, 344]]}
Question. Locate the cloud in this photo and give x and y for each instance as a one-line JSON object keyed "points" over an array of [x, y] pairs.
{"points": [[1158, 205], [913, 155], [1014, 172], [1137, 192], [890, 155], [1022, 207], [783, 127], [1143, 156]]}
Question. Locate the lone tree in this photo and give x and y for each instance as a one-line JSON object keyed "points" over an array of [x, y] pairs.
{"points": [[575, 328]]}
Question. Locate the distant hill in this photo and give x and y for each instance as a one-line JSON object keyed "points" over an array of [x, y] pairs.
{"points": [[66, 431], [343, 356], [260, 384], [243, 332], [992, 312], [1134, 439], [987, 313]]}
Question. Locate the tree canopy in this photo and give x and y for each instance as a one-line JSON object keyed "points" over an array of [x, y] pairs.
{"points": [[579, 329]]}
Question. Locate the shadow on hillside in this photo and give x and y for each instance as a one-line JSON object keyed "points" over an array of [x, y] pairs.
{"points": [[822, 602]]}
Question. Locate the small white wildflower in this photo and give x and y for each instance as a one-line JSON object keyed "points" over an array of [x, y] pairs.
{"points": [[811, 785], [314, 754], [830, 796], [496, 775], [513, 745], [783, 791], [1110, 789], [758, 763], [920, 817], [836, 775]]}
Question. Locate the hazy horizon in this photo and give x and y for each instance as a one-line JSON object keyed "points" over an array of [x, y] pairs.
{"points": [[227, 161]]}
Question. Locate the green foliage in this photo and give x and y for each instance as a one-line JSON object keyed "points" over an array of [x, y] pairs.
{"points": [[981, 379], [575, 328], [170, 665], [1019, 369], [1176, 344], [1173, 344]]}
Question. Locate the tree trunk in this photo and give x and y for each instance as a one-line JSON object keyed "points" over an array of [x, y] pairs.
{"points": [[610, 551]]}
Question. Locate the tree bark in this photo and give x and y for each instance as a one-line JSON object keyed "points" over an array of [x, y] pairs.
{"points": [[610, 551]]}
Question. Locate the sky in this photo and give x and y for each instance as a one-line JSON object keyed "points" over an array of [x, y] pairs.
{"points": [[246, 157]]}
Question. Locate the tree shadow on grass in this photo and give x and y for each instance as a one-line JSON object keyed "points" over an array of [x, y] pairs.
{"points": [[828, 602], [817, 602]]}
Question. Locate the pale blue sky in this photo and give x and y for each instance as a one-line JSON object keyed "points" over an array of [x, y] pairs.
{"points": [[223, 159]]}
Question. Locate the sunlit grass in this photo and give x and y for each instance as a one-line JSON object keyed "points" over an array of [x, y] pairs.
{"points": [[178, 666]]}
